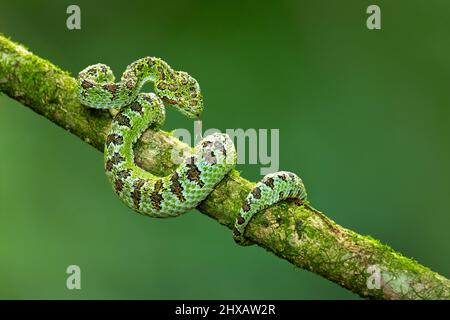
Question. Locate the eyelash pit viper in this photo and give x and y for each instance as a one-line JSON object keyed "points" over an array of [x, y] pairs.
{"points": [[199, 173]]}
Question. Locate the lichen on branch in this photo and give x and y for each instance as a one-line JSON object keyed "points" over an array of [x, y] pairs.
{"points": [[299, 234]]}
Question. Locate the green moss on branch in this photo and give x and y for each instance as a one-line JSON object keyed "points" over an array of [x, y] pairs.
{"points": [[301, 235]]}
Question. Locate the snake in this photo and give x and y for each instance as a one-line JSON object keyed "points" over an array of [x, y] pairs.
{"points": [[198, 173]]}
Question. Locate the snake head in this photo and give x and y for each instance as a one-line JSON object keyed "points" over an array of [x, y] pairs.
{"points": [[182, 91]]}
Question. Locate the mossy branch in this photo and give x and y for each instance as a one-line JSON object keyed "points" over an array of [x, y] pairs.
{"points": [[300, 234]]}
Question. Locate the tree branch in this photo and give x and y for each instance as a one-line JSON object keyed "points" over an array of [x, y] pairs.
{"points": [[300, 234]]}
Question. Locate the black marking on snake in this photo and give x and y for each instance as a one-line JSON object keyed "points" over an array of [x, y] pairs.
{"points": [[256, 193], [118, 184], [162, 86], [210, 157], [176, 187], [117, 158], [269, 182], [136, 194], [236, 232], [130, 84], [149, 61], [136, 107], [282, 176], [92, 72], [109, 165], [114, 139], [140, 66], [207, 143], [112, 88], [295, 200], [184, 81], [193, 174], [139, 183], [124, 173], [168, 100], [114, 160], [162, 76], [122, 119], [240, 219], [148, 98], [155, 196], [246, 206], [86, 84]]}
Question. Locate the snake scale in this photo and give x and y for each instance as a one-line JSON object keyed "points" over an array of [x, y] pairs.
{"points": [[198, 174]]}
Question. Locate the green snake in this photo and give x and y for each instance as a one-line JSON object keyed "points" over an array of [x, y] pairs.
{"points": [[211, 160]]}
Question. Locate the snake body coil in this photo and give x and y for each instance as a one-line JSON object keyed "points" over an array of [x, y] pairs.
{"points": [[196, 177]]}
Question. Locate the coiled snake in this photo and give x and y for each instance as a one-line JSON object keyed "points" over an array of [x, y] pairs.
{"points": [[199, 173]]}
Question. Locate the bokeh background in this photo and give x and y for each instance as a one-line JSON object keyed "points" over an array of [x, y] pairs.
{"points": [[364, 117]]}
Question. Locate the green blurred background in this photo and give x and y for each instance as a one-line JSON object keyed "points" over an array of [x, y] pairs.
{"points": [[363, 115]]}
